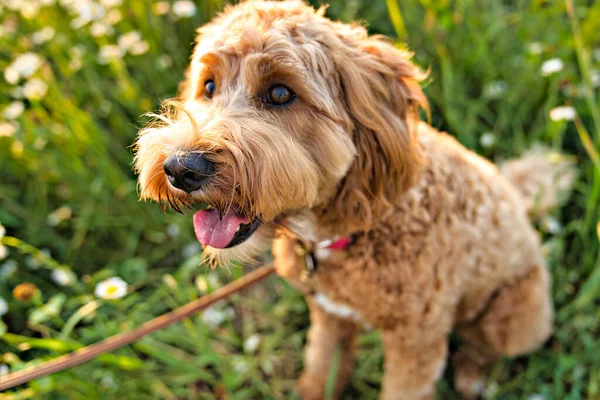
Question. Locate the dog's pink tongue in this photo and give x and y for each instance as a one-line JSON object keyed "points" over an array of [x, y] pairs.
{"points": [[214, 231]]}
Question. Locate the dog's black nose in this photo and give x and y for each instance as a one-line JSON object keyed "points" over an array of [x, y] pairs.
{"points": [[187, 171]]}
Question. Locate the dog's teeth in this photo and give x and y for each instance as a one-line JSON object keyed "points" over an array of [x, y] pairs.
{"points": [[238, 229]]}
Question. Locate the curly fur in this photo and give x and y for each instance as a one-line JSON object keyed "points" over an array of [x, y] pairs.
{"points": [[443, 239]]}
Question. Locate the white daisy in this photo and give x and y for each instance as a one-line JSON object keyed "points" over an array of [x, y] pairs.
{"points": [[2, 231], [139, 48], [11, 75], [563, 113], [552, 66], [184, 9], [128, 40], [26, 64], [251, 343], [488, 139], [89, 11], [3, 306], [44, 35], [111, 288], [215, 317], [30, 10], [35, 89], [161, 8], [99, 29], [108, 53], [8, 129], [62, 276], [4, 370], [113, 17], [14, 110], [3, 252]]}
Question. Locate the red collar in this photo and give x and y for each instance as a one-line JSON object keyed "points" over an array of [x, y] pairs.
{"points": [[338, 243]]}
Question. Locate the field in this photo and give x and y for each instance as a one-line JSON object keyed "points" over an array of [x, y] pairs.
{"points": [[76, 78]]}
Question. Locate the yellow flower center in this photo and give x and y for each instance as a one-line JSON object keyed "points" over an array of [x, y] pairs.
{"points": [[111, 290]]}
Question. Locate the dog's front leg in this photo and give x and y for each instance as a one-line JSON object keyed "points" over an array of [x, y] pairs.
{"points": [[411, 371], [327, 334]]}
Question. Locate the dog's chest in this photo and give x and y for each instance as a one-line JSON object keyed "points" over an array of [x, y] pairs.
{"points": [[338, 309]]}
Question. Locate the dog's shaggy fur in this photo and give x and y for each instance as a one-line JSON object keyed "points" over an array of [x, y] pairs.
{"points": [[442, 238]]}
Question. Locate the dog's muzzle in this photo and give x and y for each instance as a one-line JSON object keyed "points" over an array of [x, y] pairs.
{"points": [[188, 171]]}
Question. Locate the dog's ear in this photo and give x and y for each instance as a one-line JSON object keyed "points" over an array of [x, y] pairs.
{"points": [[380, 90]]}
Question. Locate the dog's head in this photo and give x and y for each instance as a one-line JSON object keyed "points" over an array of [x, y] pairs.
{"points": [[283, 110]]}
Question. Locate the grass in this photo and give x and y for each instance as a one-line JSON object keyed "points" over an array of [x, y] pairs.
{"points": [[68, 194]]}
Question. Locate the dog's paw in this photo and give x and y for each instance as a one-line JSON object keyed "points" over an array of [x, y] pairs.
{"points": [[310, 387], [469, 376]]}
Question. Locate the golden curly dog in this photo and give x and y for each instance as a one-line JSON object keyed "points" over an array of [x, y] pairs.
{"points": [[301, 132]]}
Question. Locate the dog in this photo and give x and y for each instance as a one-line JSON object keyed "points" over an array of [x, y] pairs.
{"points": [[302, 135]]}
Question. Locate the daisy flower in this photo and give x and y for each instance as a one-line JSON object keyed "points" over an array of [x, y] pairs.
{"points": [[488, 139], [35, 89], [62, 277], [552, 66], [27, 64], [129, 39], [184, 9], [111, 288], [563, 113], [14, 110], [44, 35], [251, 343], [109, 53], [8, 129], [99, 29], [161, 8]]}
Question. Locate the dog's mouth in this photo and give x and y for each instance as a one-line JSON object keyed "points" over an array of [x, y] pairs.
{"points": [[222, 231]]}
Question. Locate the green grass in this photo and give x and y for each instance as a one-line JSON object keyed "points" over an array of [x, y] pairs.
{"points": [[70, 149]]}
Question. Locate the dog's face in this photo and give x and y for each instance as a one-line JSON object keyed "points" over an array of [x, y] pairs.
{"points": [[282, 110]]}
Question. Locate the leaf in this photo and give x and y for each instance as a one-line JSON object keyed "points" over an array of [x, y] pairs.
{"points": [[396, 17], [590, 289], [3, 328], [50, 309]]}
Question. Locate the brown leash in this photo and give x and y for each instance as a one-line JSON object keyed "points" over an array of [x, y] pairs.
{"points": [[117, 341]]}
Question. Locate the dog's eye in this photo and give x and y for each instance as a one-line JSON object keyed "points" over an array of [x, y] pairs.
{"points": [[209, 89], [280, 95]]}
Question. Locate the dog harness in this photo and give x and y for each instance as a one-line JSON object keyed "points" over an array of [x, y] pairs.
{"points": [[306, 250]]}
